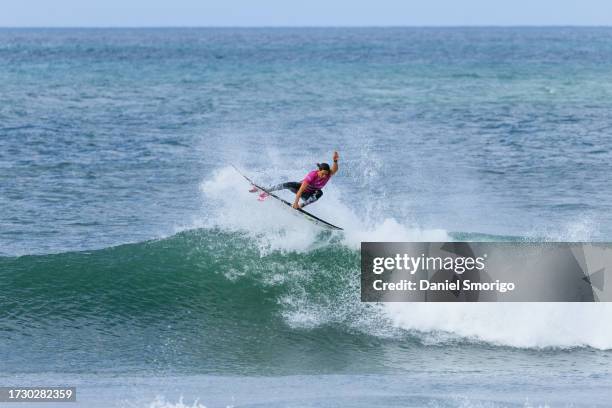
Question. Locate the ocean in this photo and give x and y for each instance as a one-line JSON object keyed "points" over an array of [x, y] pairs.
{"points": [[136, 266]]}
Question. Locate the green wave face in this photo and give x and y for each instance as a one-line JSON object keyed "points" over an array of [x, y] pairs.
{"points": [[212, 301], [204, 299]]}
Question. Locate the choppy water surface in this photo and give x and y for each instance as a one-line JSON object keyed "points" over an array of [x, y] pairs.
{"points": [[133, 257]]}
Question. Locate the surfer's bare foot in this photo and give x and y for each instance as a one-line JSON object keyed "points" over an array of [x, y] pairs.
{"points": [[263, 196], [253, 190]]}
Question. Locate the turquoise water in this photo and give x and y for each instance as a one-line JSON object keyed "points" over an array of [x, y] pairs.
{"points": [[135, 264]]}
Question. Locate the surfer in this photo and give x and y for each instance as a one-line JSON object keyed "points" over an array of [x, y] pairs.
{"points": [[309, 190]]}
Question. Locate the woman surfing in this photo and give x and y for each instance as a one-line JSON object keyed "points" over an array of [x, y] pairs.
{"points": [[310, 188]]}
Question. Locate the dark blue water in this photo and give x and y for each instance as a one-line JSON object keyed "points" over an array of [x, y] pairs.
{"points": [[126, 136]]}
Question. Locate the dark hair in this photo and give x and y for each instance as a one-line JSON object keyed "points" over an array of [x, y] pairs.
{"points": [[323, 166]]}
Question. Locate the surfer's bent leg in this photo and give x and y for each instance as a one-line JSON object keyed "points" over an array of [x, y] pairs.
{"points": [[312, 198], [294, 186]]}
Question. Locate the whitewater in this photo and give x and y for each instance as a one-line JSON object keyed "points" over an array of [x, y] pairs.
{"points": [[529, 325]]}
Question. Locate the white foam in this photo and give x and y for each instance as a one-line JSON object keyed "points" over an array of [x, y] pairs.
{"points": [[229, 206], [525, 325], [160, 402], [581, 229], [391, 230]]}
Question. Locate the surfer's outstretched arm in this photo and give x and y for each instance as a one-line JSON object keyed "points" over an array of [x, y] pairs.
{"points": [[334, 167], [296, 203]]}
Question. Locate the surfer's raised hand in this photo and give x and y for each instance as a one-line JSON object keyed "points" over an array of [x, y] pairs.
{"points": [[334, 168]]}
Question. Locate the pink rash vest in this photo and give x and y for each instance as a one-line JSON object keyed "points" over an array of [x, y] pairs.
{"points": [[315, 182]]}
